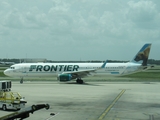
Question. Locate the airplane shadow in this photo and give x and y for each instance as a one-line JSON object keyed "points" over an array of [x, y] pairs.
{"points": [[75, 83]]}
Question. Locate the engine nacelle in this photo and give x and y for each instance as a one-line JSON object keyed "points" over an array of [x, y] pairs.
{"points": [[64, 77]]}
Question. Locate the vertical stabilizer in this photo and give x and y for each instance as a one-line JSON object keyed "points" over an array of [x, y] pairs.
{"points": [[142, 55]]}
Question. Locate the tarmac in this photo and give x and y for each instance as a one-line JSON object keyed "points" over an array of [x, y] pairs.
{"points": [[92, 100]]}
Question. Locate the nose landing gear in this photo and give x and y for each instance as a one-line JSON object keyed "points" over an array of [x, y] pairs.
{"points": [[21, 81]]}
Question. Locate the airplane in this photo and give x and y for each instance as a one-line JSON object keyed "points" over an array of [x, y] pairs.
{"points": [[70, 71]]}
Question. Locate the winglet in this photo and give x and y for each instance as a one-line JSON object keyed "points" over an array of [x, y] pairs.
{"points": [[104, 64]]}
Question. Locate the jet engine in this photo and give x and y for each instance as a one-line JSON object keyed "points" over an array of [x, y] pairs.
{"points": [[64, 77]]}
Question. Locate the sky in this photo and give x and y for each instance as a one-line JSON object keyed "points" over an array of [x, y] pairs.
{"points": [[79, 29]]}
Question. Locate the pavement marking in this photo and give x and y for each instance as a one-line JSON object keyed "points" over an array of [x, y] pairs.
{"points": [[111, 105]]}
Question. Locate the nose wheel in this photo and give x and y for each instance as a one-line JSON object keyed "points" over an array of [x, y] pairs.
{"points": [[21, 81]]}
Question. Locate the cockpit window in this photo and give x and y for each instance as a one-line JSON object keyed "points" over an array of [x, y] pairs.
{"points": [[12, 67]]}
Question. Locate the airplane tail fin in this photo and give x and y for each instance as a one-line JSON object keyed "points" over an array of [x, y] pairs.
{"points": [[142, 55]]}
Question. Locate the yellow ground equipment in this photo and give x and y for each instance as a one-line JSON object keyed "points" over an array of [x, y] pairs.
{"points": [[8, 99]]}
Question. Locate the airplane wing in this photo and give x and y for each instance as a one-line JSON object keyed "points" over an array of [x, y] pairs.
{"points": [[81, 73], [84, 73]]}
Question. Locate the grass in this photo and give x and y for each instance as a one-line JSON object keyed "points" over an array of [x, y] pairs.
{"points": [[142, 75], [2, 74]]}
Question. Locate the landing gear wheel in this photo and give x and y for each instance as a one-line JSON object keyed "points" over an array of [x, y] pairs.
{"points": [[79, 81], [21, 81], [4, 107]]}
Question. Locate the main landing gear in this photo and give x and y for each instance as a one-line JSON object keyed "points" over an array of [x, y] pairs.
{"points": [[79, 81]]}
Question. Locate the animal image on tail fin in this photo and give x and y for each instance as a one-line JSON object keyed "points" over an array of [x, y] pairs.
{"points": [[143, 54]]}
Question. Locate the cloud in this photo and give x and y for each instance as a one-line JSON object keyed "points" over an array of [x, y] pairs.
{"points": [[13, 19], [83, 27], [35, 19], [143, 14], [4, 6], [143, 17]]}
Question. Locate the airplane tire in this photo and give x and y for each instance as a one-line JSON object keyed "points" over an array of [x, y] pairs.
{"points": [[79, 81], [21, 81], [4, 107]]}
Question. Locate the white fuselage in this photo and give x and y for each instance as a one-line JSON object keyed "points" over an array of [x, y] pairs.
{"points": [[53, 69]]}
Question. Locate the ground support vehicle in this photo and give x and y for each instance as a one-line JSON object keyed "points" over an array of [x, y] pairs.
{"points": [[24, 113], [11, 100]]}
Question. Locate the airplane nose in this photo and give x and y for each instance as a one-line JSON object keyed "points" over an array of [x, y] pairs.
{"points": [[6, 72]]}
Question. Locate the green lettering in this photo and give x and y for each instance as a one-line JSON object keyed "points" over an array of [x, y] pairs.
{"points": [[32, 67], [39, 68], [60, 67], [75, 67], [54, 68], [46, 68], [65, 67], [69, 68]]}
